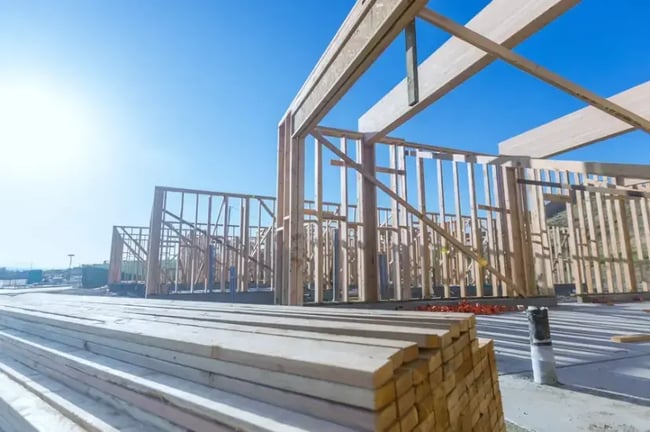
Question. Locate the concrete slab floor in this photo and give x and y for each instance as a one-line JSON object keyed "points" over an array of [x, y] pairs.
{"points": [[605, 385]]}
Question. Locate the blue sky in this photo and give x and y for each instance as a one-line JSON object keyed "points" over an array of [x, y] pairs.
{"points": [[190, 94]]}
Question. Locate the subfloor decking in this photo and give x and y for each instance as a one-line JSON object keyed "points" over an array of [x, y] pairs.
{"points": [[605, 385], [587, 360]]}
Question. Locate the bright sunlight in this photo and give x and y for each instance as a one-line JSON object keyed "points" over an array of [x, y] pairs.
{"points": [[41, 130]]}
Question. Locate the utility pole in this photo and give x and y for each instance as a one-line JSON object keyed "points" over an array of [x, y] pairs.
{"points": [[70, 267]]}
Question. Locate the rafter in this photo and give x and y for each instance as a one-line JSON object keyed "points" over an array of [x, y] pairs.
{"points": [[579, 128], [456, 61], [537, 71]]}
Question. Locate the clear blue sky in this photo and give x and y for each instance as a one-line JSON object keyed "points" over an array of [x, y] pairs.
{"points": [[115, 97]]}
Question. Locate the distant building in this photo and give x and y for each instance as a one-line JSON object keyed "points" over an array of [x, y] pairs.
{"points": [[20, 277], [94, 276]]}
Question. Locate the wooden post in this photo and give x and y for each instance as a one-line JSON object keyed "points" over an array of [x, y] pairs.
{"points": [[514, 215], [343, 233], [615, 244], [369, 291], [115, 265], [208, 252], [602, 238], [404, 224], [584, 247], [359, 241], [626, 246], [425, 269], [502, 223], [477, 242], [318, 238], [646, 232], [547, 287], [296, 221], [258, 265], [396, 235], [153, 254], [574, 239], [491, 249], [593, 240], [444, 252], [460, 235], [278, 262], [224, 267], [244, 229]]}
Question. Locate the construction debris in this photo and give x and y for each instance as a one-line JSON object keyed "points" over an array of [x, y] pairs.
{"points": [[469, 307], [215, 366], [630, 338]]}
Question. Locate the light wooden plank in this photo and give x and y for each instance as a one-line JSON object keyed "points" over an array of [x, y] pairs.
{"points": [[225, 408], [25, 411], [456, 61], [520, 62], [92, 415], [307, 398], [367, 30], [462, 319], [202, 370], [255, 350], [580, 128]]}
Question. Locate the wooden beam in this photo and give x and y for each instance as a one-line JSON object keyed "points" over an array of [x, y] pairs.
{"points": [[580, 128], [213, 193], [537, 71], [505, 22], [366, 32], [339, 133], [153, 255], [385, 170], [411, 63]]}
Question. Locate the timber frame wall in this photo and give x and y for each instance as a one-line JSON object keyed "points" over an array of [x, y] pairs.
{"points": [[128, 259], [502, 241], [200, 241]]}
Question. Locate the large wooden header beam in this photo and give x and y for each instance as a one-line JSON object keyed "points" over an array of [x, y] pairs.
{"points": [[578, 129], [505, 22], [368, 29]]}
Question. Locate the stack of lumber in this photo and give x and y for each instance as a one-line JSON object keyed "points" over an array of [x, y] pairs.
{"points": [[179, 365]]}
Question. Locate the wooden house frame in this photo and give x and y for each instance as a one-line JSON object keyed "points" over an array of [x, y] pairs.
{"points": [[204, 241], [522, 181]]}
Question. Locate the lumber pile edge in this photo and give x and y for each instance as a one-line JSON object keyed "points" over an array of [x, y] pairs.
{"points": [[212, 366]]}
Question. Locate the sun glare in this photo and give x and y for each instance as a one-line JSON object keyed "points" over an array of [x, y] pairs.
{"points": [[40, 129]]}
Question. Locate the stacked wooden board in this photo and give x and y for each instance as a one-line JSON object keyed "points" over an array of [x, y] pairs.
{"points": [[178, 365]]}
